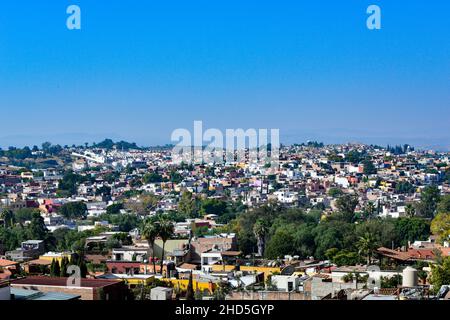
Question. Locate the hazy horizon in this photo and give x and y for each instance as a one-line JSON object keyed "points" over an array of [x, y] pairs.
{"points": [[138, 70], [287, 139]]}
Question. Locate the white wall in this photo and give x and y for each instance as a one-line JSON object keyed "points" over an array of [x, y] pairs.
{"points": [[282, 281]]}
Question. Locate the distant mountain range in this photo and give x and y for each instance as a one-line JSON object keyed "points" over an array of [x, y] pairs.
{"points": [[437, 144]]}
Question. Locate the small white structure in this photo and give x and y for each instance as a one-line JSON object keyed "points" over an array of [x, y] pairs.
{"points": [[210, 258], [342, 181], [129, 253], [286, 283], [161, 293], [284, 196], [410, 278]]}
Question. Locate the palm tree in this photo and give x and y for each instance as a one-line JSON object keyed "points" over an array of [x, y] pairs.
{"points": [[367, 245], [166, 230], [349, 277], [150, 231], [260, 230]]}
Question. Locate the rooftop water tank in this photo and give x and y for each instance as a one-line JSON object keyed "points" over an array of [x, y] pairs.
{"points": [[410, 278]]}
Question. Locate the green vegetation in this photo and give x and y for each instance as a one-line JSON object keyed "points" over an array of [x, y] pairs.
{"points": [[158, 226], [440, 225], [292, 231], [369, 168], [114, 208], [152, 177], [429, 200], [69, 183], [440, 274], [74, 210], [125, 222], [335, 192], [404, 187], [391, 282], [188, 205], [121, 145]]}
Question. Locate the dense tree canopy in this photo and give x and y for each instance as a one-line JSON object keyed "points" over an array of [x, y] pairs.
{"points": [[305, 234], [74, 210], [429, 200]]}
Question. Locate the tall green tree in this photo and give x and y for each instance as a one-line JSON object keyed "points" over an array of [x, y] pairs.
{"points": [[74, 210], [166, 231], [8, 218], [367, 244], [429, 200], [260, 229], [187, 205], [346, 205], [440, 274], [55, 270], [440, 226], [411, 229], [280, 244], [64, 265], [369, 168], [150, 231], [52, 268], [444, 204], [190, 295], [37, 228], [213, 206]]}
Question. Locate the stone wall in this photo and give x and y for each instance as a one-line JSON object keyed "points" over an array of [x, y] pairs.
{"points": [[267, 295]]}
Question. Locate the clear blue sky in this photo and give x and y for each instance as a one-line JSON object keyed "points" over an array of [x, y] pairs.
{"points": [[139, 69]]}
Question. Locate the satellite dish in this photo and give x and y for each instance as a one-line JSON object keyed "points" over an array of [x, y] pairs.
{"points": [[288, 271]]}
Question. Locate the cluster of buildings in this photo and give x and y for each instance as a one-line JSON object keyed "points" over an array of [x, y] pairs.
{"points": [[307, 176], [304, 177], [213, 263]]}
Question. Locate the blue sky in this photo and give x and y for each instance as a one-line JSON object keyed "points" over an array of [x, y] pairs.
{"points": [[140, 69]]}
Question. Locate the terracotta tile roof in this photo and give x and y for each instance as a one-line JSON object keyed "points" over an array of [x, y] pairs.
{"points": [[423, 254], [398, 255], [445, 251], [231, 253], [187, 266], [411, 254], [7, 263], [5, 274]]}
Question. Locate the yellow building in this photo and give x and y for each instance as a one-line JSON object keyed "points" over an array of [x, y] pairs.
{"points": [[182, 284], [131, 280], [221, 268], [58, 256], [137, 280], [268, 271]]}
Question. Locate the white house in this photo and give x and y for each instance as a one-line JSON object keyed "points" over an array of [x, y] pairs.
{"points": [[286, 283]]}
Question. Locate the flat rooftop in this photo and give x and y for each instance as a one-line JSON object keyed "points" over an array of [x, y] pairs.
{"points": [[22, 294]]}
